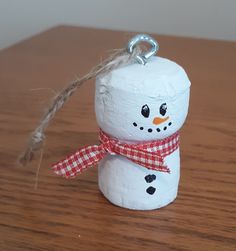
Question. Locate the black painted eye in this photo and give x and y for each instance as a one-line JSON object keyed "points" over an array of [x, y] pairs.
{"points": [[163, 109], [145, 111]]}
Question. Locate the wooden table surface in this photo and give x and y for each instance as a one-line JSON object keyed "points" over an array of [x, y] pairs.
{"points": [[72, 214]]}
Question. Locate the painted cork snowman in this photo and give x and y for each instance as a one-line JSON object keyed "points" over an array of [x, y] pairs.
{"points": [[140, 108], [136, 104]]}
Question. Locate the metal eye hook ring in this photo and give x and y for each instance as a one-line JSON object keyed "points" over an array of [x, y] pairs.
{"points": [[143, 57]]}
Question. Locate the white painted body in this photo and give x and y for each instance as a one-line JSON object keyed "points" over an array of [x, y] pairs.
{"points": [[123, 183], [120, 95]]}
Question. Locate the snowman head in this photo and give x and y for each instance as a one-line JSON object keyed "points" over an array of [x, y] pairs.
{"points": [[141, 103]]}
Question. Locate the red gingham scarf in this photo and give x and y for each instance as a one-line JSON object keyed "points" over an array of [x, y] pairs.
{"points": [[149, 154]]}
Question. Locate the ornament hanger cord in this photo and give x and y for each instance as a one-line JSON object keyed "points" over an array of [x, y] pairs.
{"points": [[114, 61], [143, 57]]}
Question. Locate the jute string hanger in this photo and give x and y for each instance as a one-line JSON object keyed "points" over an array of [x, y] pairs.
{"points": [[133, 52]]}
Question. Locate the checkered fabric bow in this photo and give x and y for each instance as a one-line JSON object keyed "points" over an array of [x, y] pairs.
{"points": [[149, 155]]}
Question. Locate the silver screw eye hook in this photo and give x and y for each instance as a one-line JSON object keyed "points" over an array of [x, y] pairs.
{"points": [[143, 57]]}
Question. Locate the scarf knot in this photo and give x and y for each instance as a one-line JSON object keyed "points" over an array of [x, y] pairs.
{"points": [[108, 147], [149, 154]]}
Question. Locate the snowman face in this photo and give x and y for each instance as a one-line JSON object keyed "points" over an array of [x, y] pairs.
{"points": [[136, 117], [158, 122]]}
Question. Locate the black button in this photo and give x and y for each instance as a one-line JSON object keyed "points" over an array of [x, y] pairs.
{"points": [[151, 190], [150, 178]]}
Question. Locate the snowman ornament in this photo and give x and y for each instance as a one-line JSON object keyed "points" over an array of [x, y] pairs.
{"points": [[140, 108]]}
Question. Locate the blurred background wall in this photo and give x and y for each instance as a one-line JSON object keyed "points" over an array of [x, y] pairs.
{"points": [[211, 19]]}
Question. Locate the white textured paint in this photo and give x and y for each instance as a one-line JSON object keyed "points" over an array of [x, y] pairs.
{"points": [[119, 98], [213, 19]]}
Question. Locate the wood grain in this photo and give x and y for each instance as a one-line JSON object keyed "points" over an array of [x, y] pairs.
{"points": [[72, 214]]}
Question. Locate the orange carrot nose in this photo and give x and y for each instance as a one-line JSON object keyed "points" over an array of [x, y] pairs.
{"points": [[157, 120]]}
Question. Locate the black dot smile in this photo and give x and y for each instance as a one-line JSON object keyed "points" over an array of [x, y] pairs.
{"points": [[150, 129]]}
